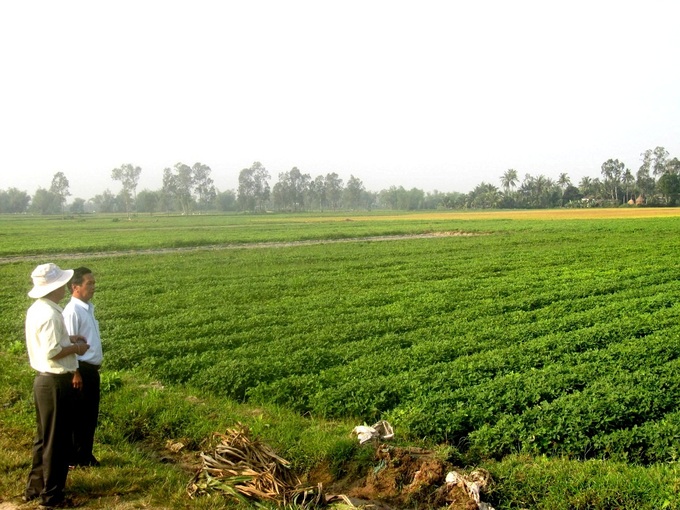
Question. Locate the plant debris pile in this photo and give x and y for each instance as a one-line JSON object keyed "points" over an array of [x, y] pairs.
{"points": [[244, 468], [241, 467]]}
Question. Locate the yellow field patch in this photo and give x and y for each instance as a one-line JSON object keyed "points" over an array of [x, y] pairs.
{"points": [[538, 214]]}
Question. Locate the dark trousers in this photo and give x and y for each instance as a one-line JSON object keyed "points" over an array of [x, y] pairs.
{"points": [[86, 414], [53, 397]]}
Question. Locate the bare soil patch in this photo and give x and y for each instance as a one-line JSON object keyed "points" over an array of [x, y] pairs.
{"points": [[401, 477]]}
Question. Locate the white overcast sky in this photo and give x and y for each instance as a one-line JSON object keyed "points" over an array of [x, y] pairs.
{"points": [[437, 95]]}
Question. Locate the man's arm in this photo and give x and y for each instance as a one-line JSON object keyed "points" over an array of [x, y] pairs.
{"points": [[79, 348]]}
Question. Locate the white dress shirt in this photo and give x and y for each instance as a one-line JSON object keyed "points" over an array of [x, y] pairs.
{"points": [[79, 317], [46, 336]]}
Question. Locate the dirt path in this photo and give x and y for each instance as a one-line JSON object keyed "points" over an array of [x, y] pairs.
{"points": [[226, 246]]}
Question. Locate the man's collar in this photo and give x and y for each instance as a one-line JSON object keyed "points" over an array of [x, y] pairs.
{"points": [[80, 302]]}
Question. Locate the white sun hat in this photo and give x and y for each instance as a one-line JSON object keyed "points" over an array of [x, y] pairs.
{"points": [[48, 277]]}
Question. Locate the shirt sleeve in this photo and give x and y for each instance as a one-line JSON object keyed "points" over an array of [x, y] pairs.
{"points": [[48, 333], [71, 320]]}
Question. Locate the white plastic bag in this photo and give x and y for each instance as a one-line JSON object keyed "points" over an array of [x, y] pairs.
{"points": [[379, 430]]}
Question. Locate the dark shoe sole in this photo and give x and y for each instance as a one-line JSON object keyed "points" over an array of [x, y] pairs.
{"points": [[66, 503]]}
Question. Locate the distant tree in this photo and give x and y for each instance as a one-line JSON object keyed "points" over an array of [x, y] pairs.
{"points": [[673, 166], [509, 201], [600, 191], [46, 202], [585, 187], [628, 180], [316, 193], [277, 197], [291, 189], [484, 196], [435, 200], [525, 191], [368, 199], [298, 184], [402, 199], [78, 206], [612, 170], [353, 192], [415, 199], [167, 202], [148, 201], [509, 180], [455, 200], [60, 187], [14, 201], [538, 192], [253, 187], [669, 186], [333, 187], [179, 184], [204, 187], [563, 181], [128, 175], [226, 201], [105, 202], [644, 182], [571, 195], [390, 197], [552, 194], [647, 157], [660, 155]]}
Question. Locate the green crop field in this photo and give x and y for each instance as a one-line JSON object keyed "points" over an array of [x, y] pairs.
{"points": [[542, 334]]}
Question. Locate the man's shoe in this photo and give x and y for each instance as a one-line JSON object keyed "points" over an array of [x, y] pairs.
{"points": [[64, 503], [91, 462], [27, 498]]}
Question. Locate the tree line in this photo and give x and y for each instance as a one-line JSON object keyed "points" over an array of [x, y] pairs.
{"points": [[189, 189]]}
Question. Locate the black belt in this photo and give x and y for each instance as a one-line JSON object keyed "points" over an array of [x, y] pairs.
{"points": [[85, 364]]}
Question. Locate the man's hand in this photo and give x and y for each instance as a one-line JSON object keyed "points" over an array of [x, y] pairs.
{"points": [[77, 381], [81, 348], [77, 339]]}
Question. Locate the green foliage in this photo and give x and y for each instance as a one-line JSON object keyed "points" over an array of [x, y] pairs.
{"points": [[560, 484], [557, 338], [547, 337], [26, 235], [497, 343], [151, 413], [110, 381]]}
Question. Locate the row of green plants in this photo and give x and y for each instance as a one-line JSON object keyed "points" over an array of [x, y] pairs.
{"points": [[541, 338], [513, 341]]}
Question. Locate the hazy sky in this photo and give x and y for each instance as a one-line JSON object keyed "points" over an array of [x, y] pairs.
{"points": [[428, 94]]}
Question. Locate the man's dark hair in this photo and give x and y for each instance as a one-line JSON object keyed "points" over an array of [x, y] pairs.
{"points": [[77, 277]]}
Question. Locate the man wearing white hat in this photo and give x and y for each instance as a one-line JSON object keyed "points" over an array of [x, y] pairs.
{"points": [[52, 354]]}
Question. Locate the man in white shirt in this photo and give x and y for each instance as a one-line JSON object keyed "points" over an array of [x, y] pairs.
{"points": [[52, 354], [80, 320]]}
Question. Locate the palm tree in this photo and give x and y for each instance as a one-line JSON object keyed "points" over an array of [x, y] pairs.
{"points": [[586, 186], [484, 196], [509, 180], [563, 180]]}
